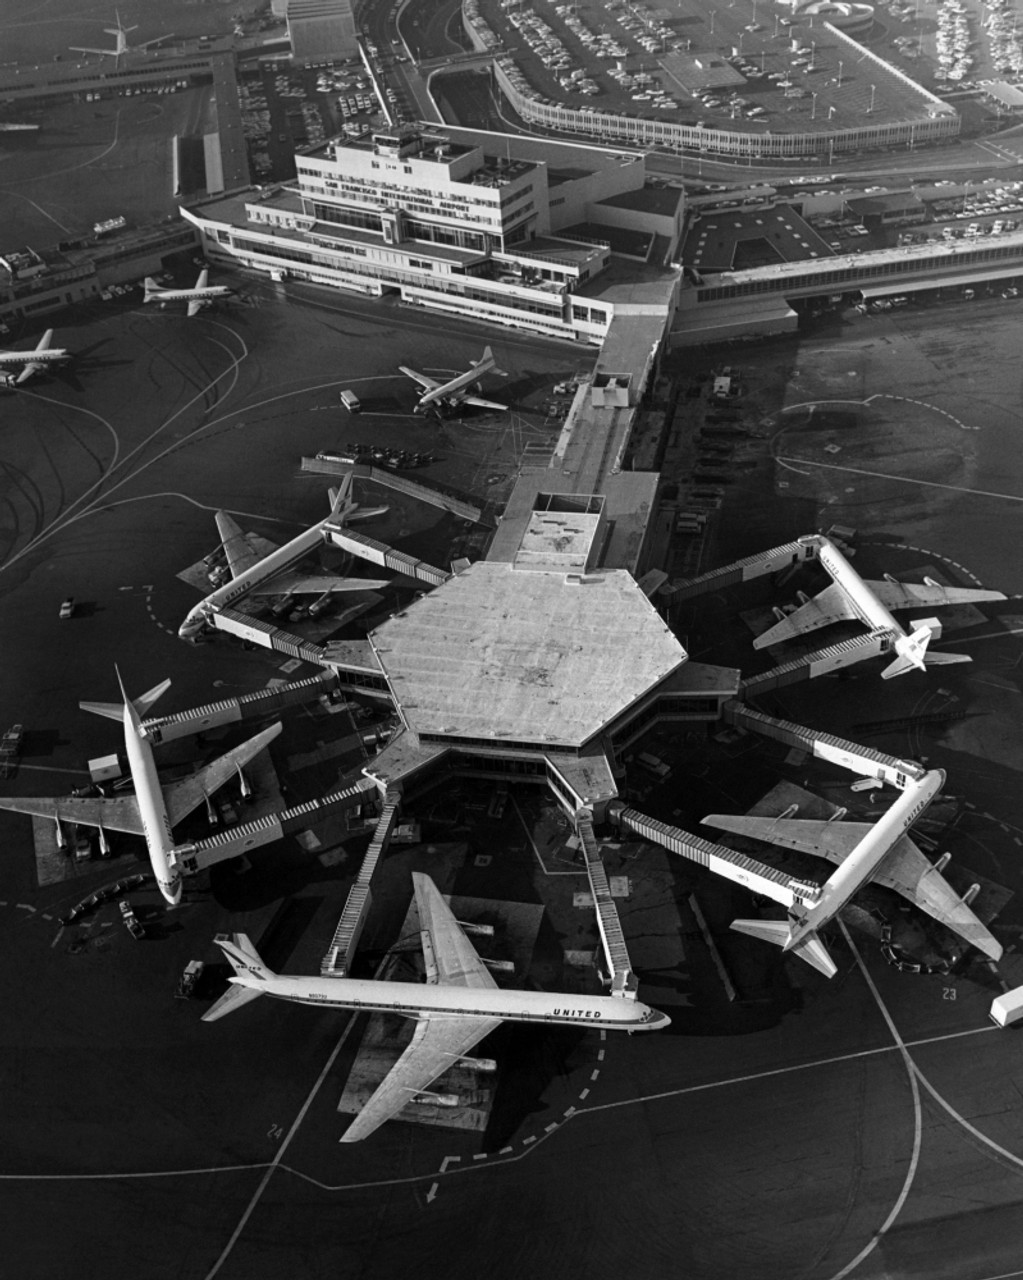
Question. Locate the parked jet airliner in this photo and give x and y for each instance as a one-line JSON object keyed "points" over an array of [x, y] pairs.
{"points": [[120, 34], [202, 295], [459, 1004], [456, 392], [864, 852], [259, 567], [154, 808], [32, 362], [850, 598]]}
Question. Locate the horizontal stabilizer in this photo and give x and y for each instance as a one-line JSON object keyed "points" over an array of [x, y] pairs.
{"points": [[233, 998], [144, 701], [112, 710], [945, 659], [811, 949], [115, 710]]}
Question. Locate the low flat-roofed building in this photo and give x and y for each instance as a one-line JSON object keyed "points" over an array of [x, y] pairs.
{"points": [[321, 30]]}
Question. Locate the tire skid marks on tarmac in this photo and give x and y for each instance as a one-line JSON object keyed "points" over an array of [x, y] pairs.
{"points": [[88, 504]]}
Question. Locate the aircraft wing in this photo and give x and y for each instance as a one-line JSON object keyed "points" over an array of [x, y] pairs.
{"points": [[451, 960], [435, 1046], [239, 547], [914, 595], [428, 384], [306, 584], [120, 814], [195, 305], [830, 606], [484, 404], [187, 794], [905, 867]]}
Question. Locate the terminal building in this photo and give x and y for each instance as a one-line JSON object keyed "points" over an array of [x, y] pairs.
{"points": [[454, 225]]}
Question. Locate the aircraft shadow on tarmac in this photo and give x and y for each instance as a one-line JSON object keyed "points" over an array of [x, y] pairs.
{"points": [[529, 1060], [272, 873]]}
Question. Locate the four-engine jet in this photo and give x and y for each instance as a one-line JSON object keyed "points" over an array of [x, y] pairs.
{"points": [[881, 852], [202, 295], [154, 808], [459, 1004], [32, 362], [120, 34], [850, 598], [456, 392], [259, 567]]}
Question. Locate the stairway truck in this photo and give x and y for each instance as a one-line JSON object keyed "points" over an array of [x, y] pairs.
{"points": [[1007, 1009]]}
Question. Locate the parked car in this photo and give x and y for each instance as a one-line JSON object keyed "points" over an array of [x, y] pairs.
{"points": [[67, 607]]}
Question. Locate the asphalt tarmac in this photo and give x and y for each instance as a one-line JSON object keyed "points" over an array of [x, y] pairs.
{"points": [[783, 1134]]}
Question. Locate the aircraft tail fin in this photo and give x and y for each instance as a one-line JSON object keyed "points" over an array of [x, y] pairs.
{"points": [[779, 932], [249, 973], [152, 289], [487, 361], [340, 497], [911, 650], [242, 955]]}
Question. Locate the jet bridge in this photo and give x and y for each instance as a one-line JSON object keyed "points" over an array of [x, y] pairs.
{"points": [[250, 706], [746, 569], [623, 981], [826, 746], [337, 961], [197, 855], [756, 876]]}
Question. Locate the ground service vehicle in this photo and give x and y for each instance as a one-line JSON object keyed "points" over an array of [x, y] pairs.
{"points": [[350, 401], [1007, 1008]]}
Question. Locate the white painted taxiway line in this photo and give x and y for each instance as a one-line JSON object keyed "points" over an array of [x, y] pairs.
{"points": [[296, 1125]]}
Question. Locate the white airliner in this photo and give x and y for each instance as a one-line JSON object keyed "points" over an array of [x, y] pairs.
{"points": [[259, 567], [32, 362], [120, 34], [459, 1004], [202, 295], [850, 598], [881, 852], [456, 392], [155, 807]]}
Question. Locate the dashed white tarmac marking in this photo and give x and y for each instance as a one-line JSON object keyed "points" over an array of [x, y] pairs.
{"points": [[448, 1160], [25, 906]]}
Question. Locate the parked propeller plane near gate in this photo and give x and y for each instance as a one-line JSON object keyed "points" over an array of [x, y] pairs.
{"points": [[32, 362], [882, 852], [155, 807], [202, 295], [459, 1004], [456, 392]]}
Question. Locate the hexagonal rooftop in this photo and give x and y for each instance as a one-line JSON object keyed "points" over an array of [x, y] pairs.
{"points": [[498, 653]]}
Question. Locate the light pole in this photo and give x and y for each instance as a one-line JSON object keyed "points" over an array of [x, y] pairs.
{"points": [[831, 112], [713, 15], [870, 109], [813, 106], [840, 74], [813, 54]]}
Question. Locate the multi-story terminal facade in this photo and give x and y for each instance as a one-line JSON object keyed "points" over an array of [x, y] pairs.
{"points": [[448, 226]]}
